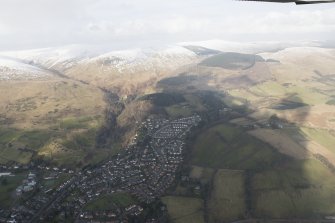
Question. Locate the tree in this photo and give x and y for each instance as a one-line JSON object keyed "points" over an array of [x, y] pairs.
{"points": [[4, 181]]}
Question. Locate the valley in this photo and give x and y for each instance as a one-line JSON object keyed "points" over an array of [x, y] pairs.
{"points": [[183, 134]]}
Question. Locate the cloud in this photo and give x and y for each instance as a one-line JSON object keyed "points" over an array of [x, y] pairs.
{"points": [[290, 22], [39, 23], [3, 29]]}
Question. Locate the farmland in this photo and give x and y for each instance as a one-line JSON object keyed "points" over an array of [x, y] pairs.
{"points": [[323, 137], [8, 184], [64, 144], [301, 189], [226, 146], [227, 199], [48, 117], [263, 148], [288, 185], [184, 209]]}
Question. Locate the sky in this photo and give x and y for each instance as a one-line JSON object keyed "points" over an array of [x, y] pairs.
{"points": [[26, 24]]}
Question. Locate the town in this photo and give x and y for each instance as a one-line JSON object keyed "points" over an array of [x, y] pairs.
{"points": [[144, 170]]}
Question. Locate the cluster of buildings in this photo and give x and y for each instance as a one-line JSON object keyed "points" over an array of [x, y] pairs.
{"points": [[143, 170], [158, 158], [32, 195], [116, 215], [103, 216], [27, 184]]}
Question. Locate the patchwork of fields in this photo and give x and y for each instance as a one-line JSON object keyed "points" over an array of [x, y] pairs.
{"points": [[184, 209], [249, 178]]}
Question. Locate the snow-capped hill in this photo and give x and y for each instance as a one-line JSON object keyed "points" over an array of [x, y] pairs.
{"points": [[82, 58], [248, 47], [145, 59], [11, 69], [64, 58], [124, 56], [56, 57], [300, 52]]}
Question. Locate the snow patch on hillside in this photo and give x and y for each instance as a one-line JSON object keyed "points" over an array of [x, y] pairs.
{"points": [[56, 57], [11, 69], [145, 59], [135, 60], [248, 47], [299, 52]]}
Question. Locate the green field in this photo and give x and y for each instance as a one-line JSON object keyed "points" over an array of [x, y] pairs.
{"points": [[14, 142], [71, 146], [33, 139], [79, 122], [321, 136], [56, 182], [292, 92], [201, 173], [107, 202], [8, 184], [14, 154], [227, 199], [279, 186], [20, 146], [193, 103], [76, 136], [301, 189], [226, 146], [176, 111], [7, 135], [231, 61], [184, 209], [269, 88], [331, 102]]}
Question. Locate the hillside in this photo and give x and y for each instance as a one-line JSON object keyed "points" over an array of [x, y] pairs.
{"points": [[263, 149], [232, 61], [14, 69]]}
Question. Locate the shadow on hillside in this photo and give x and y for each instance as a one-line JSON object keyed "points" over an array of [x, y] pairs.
{"points": [[292, 187]]}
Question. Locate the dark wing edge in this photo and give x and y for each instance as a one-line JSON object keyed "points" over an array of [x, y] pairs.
{"points": [[312, 2], [298, 2]]}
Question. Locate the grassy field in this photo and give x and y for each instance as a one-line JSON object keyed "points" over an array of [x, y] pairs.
{"points": [[79, 122], [7, 135], [227, 199], [176, 111], [69, 142], [245, 94], [184, 209], [39, 104], [301, 189], [107, 202], [203, 174], [323, 137], [36, 114], [298, 93], [282, 140], [13, 142], [194, 103], [10, 154], [269, 88], [231, 61], [226, 146], [8, 184], [54, 183], [280, 186], [331, 102]]}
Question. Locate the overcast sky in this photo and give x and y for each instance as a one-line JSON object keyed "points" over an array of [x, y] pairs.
{"points": [[132, 23]]}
